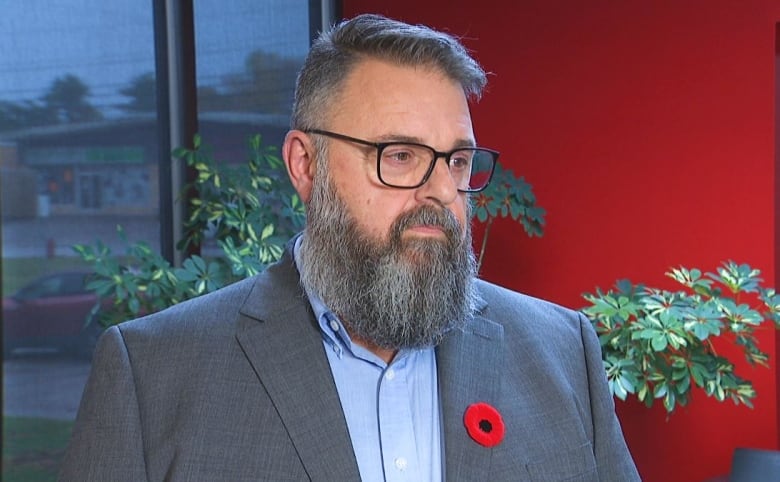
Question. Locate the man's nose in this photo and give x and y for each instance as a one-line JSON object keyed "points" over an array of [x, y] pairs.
{"points": [[440, 185]]}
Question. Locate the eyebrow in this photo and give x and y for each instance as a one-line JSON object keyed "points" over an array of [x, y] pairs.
{"points": [[416, 140]]}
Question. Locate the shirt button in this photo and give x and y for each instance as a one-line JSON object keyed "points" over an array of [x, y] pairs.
{"points": [[334, 325], [390, 375], [400, 463]]}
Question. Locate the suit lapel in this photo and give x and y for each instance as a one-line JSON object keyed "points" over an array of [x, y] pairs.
{"points": [[279, 336], [469, 363]]}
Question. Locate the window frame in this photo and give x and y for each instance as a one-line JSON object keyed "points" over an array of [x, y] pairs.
{"points": [[177, 105]]}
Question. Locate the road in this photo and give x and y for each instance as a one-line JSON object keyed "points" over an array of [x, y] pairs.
{"points": [[47, 384], [35, 237], [43, 385]]}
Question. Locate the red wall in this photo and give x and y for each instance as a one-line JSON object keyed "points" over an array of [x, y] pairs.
{"points": [[647, 131]]}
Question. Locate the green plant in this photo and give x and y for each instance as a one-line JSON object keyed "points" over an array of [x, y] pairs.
{"points": [[659, 344], [247, 211], [507, 196]]}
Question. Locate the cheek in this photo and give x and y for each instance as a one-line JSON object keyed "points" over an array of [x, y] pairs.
{"points": [[385, 214], [376, 214], [460, 209]]}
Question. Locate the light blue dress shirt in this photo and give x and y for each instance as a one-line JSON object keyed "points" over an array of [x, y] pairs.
{"points": [[392, 411]]}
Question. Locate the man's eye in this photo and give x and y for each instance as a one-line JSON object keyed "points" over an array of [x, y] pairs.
{"points": [[398, 155], [460, 161]]}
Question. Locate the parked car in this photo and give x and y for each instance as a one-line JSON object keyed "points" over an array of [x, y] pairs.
{"points": [[51, 312]]}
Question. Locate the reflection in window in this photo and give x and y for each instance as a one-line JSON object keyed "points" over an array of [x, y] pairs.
{"points": [[246, 73], [78, 126]]}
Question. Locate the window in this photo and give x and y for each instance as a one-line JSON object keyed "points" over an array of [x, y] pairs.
{"points": [[90, 105]]}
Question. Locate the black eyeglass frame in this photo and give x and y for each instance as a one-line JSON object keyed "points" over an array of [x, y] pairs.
{"points": [[380, 146]]}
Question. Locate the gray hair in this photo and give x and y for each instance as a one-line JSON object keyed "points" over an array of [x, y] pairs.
{"points": [[336, 52]]}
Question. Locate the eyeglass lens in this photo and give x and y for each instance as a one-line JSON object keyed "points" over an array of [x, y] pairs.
{"points": [[406, 165]]}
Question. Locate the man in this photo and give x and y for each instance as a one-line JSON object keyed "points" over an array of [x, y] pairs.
{"points": [[370, 351]]}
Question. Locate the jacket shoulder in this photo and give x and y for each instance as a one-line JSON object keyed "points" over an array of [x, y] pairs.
{"points": [[211, 309], [519, 311], [220, 309]]}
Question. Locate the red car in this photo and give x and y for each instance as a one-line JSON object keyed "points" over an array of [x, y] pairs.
{"points": [[51, 312]]}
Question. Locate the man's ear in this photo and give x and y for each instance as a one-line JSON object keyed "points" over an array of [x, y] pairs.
{"points": [[298, 154]]}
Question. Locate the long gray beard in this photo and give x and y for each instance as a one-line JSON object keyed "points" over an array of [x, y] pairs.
{"points": [[395, 294]]}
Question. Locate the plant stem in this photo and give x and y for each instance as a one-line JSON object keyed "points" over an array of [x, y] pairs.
{"points": [[484, 242]]}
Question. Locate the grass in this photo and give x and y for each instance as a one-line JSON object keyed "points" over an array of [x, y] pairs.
{"points": [[33, 448], [17, 272]]}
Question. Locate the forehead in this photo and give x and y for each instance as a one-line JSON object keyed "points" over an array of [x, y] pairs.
{"points": [[380, 98]]}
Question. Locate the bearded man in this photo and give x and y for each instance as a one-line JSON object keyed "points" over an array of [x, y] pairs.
{"points": [[370, 351]]}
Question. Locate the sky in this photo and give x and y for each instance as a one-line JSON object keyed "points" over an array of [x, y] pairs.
{"points": [[107, 43]]}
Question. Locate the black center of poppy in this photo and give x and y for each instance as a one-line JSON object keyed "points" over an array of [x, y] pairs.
{"points": [[485, 426]]}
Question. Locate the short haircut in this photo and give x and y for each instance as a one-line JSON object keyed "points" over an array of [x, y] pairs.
{"points": [[337, 51]]}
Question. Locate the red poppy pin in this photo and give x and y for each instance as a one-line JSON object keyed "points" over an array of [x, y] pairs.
{"points": [[484, 424]]}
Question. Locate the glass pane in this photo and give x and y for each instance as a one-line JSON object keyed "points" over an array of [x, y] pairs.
{"points": [[78, 155], [246, 75], [248, 54]]}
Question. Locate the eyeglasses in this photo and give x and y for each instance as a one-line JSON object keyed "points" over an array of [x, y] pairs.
{"points": [[407, 165]]}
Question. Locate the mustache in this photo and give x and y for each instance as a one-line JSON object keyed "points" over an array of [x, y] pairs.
{"points": [[431, 216]]}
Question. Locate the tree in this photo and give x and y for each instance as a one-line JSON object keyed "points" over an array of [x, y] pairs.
{"points": [[67, 98], [142, 92], [25, 114], [266, 86]]}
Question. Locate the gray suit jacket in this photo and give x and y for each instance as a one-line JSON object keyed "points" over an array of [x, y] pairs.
{"points": [[236, 386]]}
